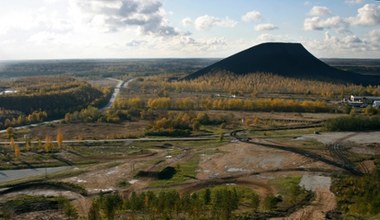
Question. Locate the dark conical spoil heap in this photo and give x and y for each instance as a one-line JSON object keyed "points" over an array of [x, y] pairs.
{"points": [[286, 59]]}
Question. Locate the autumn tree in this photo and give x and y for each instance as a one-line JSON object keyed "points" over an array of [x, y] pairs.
{"points": [[17, 151], [60, 138], [28, 144], [48, 144], [12, 143], [10, 132]]}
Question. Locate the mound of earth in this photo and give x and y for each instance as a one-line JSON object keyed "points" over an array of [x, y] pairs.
{"points": [[286, 59]]}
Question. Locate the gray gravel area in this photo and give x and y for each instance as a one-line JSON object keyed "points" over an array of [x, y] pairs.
{"points": [[8, 175], [315, 182]]}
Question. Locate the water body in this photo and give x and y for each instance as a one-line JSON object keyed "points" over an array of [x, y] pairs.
{"points": [[8, 175]]}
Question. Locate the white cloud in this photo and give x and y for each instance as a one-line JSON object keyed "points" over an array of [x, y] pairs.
{"points": [[274, 38], [320, 11], [187, 22], [251, 16], [206, 22], [373, 40], [368, 15], [336, 22], [265, 27], [185, 45], [345, 46], [33, 20], [114, 15], [136, 43], [354, 2]]}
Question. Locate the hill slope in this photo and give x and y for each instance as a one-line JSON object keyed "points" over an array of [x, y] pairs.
{"points": [[286, 59]]}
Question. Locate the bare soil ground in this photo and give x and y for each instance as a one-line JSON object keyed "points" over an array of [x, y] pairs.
{"points": [[243, 158], [41, 215], [367, 149], [89, 130], [109, 178]]}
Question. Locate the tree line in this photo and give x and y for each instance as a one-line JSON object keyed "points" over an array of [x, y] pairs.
{"points": [[208, 103], [17, 119], [209, 203], [354, 123], [261, 83]]}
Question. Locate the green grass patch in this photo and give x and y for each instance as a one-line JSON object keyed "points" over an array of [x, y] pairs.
{"points": [[186, 170], [283, 133], [289, 190]]}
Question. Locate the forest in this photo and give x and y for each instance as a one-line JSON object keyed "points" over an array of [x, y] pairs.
{"points": [[39, 98], [259, 84], [220, 202]]}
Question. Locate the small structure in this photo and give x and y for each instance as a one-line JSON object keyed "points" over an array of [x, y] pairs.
{"points": [[8, 91], [362, 101], [376, 104]]}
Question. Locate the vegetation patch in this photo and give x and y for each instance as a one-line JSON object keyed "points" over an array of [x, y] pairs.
{"points": [[358, 197], [289, 191], [52, 185], [222, 202], [354, 123], [165, 174], [24, 204], [185, 171]]}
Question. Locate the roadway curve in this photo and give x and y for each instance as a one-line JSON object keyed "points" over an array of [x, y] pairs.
{"points": [[110, 103]]}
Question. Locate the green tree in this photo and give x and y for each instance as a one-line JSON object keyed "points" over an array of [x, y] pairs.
{"points": [[270, 202], [94, 212], [255, 202], [207, 196], [111, 203], [67, 208]]}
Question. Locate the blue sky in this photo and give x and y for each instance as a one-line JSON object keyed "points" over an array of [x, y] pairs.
{"points": [[61, 29]]}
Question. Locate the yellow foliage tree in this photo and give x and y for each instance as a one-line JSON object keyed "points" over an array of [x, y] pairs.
{"points": [[17, 151], [60, 138], [48, 144], [12, 143], [28, 145]]}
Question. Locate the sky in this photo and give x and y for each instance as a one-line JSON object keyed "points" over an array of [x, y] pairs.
{"points": [[79, 29]]}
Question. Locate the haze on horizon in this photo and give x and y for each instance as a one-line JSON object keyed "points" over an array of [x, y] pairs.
{"points": [[66, 29]]}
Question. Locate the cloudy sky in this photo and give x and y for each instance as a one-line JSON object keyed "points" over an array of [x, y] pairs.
{"points": [[54, 29]]}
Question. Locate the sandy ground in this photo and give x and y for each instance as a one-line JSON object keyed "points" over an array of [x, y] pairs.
{"points": [[367, 149], [242, 158]]}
